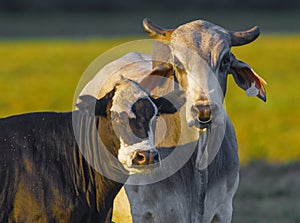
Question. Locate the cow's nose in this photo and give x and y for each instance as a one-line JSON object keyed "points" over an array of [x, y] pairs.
{"points": [[145, 157], [204, 112]]}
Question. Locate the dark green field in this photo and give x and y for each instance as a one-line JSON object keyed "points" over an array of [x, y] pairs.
{"points": [[268, 193], [124, 23]]}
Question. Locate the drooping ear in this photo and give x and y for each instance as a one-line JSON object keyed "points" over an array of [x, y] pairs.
{"points": [[170, 103], [247, 79]]}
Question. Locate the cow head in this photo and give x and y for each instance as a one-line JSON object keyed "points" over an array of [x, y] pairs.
{"points": [[199, 55], [127, 121]]}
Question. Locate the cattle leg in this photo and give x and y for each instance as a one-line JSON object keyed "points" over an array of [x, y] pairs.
{"points": [[224, 213]]}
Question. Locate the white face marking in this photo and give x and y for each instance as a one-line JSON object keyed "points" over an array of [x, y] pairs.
{"points": [[127, 152], [150, 132], [125, 97]]}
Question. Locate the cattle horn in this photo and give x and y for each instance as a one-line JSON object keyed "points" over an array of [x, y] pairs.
{"points": [[156, 32], [244, 37]]}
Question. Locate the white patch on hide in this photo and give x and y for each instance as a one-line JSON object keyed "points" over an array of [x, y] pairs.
{"points": [[127, 152], [125, 96]]}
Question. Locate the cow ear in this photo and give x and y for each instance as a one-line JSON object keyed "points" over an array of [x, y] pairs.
{"points": [[247, 79], [103, 104], [92, 105], [86, 104], [170, 103]]}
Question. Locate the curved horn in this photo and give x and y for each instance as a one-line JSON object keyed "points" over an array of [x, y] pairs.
{"points": [[156, 32], [244, 37]]}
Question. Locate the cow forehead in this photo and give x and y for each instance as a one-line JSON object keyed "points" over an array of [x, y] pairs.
{"points": [[200, 36], [126, 94], [209, 30]]}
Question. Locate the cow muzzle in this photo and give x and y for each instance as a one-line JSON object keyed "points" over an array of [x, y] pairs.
{"points": [[203, 111], [145, 157]]}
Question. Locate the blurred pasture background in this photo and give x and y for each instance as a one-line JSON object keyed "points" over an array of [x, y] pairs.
{"points": [[44, 50]]}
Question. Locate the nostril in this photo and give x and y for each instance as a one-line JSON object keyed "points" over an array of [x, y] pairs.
{"points": [[203, 112], [146, 157], [140, 158]]}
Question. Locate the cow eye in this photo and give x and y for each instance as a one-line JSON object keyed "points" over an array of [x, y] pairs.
{"points": [[225, 63]]}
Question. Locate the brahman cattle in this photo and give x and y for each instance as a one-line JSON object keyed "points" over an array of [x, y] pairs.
{"points": [[198, 56], [68, 167]]}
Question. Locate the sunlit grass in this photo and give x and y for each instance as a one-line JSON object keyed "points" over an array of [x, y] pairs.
{"points": [[42, 75], [269, 130]]}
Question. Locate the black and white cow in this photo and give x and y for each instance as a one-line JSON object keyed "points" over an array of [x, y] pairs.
{"points": [[51, 164]]}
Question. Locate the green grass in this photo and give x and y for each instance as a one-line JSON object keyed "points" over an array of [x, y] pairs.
{"points": [[43, 75], [269, 130], [39, 75]]}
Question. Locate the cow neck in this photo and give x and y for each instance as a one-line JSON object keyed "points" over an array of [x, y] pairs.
{"points": [[98, 189]]}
